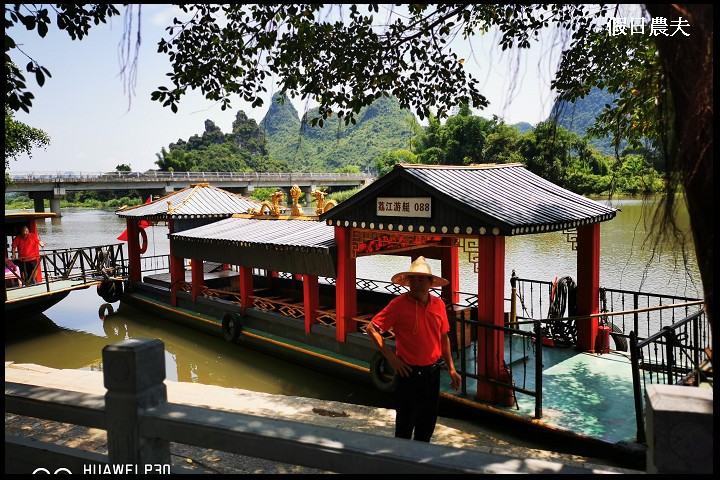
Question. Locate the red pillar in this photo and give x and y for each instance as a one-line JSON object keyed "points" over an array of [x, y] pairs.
{"points": [[177, 268], [311, 292], [133, 231], [246, 287], [588, 284], [450, 270], [491, 346], [345, 290], [198, 277], [32, 228]]}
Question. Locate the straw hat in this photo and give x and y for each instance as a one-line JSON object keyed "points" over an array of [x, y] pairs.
{"points": [[420, 268]]}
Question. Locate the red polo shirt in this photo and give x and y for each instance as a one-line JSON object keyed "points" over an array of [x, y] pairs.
{"points": [[28, 248], [418, 328]]}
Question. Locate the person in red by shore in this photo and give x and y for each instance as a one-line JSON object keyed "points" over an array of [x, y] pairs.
{"points": [[420, 324], [26, 253]]}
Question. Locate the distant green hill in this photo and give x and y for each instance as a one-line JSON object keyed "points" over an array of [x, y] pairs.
{"points": [[523, 127], [578, 116], [380, 127], [283, 141]]}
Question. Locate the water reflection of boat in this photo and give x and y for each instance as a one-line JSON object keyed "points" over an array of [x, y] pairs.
{"points": [[203, 359], [286, 285], [37, 341], [57, 272]]}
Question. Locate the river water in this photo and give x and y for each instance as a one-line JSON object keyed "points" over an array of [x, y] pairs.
{"points": [[72, 334]]}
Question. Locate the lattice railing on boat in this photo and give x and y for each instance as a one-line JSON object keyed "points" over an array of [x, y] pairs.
{"points": [[221, 293], [326, 317], [363, 321], [284, 306]]}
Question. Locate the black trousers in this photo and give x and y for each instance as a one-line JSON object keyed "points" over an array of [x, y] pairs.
{"points": [[26, 270], [417, 402]]}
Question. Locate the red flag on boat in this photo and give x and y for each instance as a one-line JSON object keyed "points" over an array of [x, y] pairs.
{"points": [[142, 224]]}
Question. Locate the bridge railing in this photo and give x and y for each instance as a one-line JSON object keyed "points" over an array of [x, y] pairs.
{"points": [[59, 177]]}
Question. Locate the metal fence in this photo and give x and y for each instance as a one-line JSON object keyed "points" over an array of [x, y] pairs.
{"points": [[678, 354]]}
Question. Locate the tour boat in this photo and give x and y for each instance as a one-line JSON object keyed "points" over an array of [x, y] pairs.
{"points": [[277, 279]]}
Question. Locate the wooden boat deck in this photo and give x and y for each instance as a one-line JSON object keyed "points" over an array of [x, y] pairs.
{"points": [[20, 293]]}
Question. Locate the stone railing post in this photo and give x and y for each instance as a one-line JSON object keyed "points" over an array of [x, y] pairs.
{"points": [[679, 428], [133, 372]]}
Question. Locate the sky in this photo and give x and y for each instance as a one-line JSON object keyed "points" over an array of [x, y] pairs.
{"points": [[94, 125]]}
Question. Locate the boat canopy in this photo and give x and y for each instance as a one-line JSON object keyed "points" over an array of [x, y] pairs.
{"points": [[497, 199], [198, 201], [297, 246]]}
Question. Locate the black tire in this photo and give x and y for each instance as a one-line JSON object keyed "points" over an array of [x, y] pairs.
{"points": [[621, 343], [105, 310], [111, 290], [231, 327], [382, 374]]}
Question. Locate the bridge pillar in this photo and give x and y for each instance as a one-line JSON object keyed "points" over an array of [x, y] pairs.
{"points": [[246, 191], [58, 194], [309, 209], [287, 198], [55, 206], [308, 194], [38, 203]]}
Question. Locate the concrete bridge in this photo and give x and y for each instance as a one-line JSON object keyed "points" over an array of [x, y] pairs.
{"points": [[54, 185]]}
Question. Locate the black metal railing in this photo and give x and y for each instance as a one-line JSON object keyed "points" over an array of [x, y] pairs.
{"points": [[670, 356], [643, 317], [85, 264]]}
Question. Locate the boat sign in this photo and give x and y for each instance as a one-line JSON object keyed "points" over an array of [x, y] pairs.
{"points": [[418, 207]]}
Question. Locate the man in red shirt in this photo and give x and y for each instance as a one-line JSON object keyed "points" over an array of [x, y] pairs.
{"points": [[420, 324], [27, 248]]}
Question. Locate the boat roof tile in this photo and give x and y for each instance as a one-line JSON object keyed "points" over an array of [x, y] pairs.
{"points": [[196, 201], [504, 199]]}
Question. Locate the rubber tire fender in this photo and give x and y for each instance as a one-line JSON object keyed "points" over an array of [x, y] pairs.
{"points": [[231, 327], [382, 374], [105, 310], [110, 290]]}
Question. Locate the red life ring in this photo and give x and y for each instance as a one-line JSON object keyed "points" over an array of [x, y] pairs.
{"points": [[143, 241]]}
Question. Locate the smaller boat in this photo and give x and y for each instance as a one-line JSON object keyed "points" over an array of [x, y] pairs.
{"points": [[58, 272]]}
